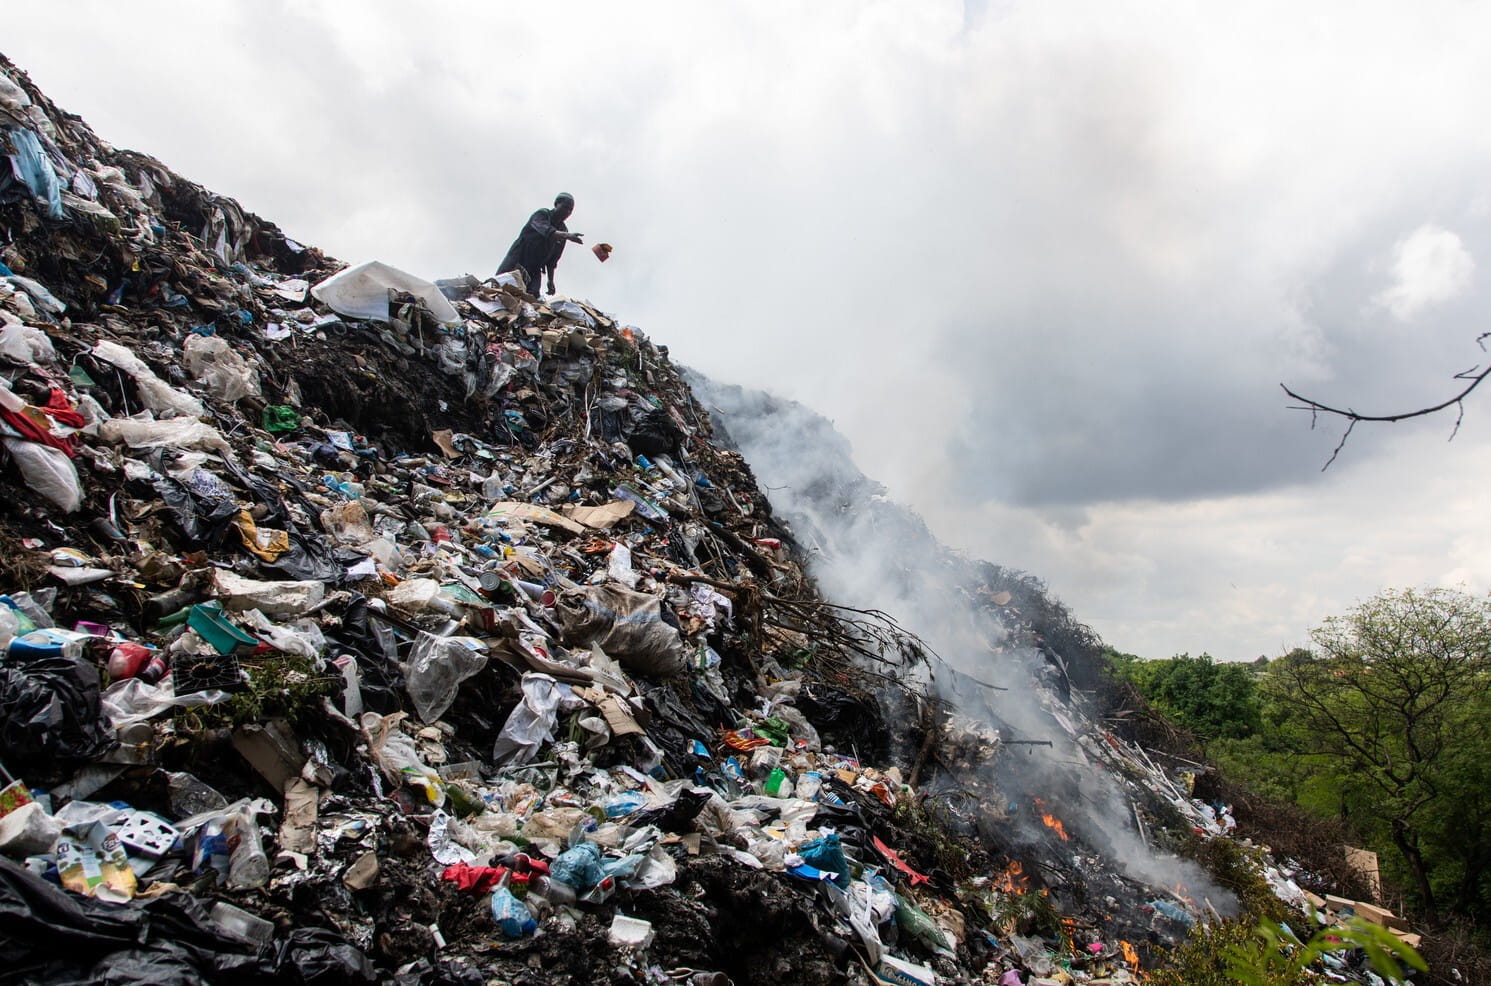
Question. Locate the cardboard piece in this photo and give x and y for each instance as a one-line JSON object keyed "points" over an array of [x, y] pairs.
{"points": [[603, 517], [298, 830], [618, 713], [535, 513], [363, 873], [442, 440], [1364, 861]]}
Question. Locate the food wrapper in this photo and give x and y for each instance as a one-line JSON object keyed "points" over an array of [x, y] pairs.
{"points": [[94, 864]]}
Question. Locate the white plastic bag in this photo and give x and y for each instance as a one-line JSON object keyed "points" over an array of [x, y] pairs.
{"points": [[532, 722], [213, 363], [420, 596], [347, 524], [158, 395], [48, 471], [397, 756], [362, 292], [437, 666], [26, 344], [279, 600], [181, 433]]}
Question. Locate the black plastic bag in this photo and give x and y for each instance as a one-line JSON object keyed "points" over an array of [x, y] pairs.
{"points": [[49, 716], [382, 683], [202, 521], [311, 559], [318, 957], [49, 937], [652, 432], [677, 816]]}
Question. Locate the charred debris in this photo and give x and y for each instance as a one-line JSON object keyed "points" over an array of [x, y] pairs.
{"points": [[361, 629]]}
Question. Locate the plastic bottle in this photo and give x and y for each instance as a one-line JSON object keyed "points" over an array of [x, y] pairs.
{"points": [[127, 660], [46, 643], [552, 890], [248, 865]]}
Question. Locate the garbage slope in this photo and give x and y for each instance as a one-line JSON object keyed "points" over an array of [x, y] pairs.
{"points": [[348, 648], [360, 628]]}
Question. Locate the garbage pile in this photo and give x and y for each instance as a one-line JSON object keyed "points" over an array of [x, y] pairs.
{"points": [[359, 628]]}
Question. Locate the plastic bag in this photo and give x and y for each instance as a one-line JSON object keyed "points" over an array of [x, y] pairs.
{"points": [[919, 925], [651, 431], [420, 596], [28, 831], [26, 344], [579, 867], [279, 600], [619, 565], [347, 524], [322, 957], [627, 625], [279, 418], [10, 625], [136, 700], [511, 914], [156, 394], [825, 853], [397, 756], [50, 715], [362, 292], [213, 363], [437, 666], [48, 471], [531, 723], [35, 169], [176, 433], [233, 844]]}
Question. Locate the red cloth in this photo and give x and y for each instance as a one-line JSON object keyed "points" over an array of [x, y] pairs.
{"points": [[34, 426], [59, 407], [481, 879], [477, 879]]}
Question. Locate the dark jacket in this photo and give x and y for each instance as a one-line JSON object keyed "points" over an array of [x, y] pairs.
{"points": [[537, 249]]}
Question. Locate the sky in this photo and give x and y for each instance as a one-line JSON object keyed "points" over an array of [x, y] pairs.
{"points": [[1045, 264]]}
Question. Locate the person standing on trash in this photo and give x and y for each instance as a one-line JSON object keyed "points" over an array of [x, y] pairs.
{"points": [[539, 245]]}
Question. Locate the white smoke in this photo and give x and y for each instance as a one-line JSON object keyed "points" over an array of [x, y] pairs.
{"points": [[870, 553]]}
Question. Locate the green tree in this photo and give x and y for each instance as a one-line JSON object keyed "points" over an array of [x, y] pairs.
{"points": [[1214, 701], [1393, 702]]}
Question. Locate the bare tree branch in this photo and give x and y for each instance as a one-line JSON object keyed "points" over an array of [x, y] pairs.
{"points": [[1475, 375]]}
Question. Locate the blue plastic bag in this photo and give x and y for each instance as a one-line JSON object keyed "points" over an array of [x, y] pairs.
{"points": [[625, 804], [825, 853], [511, 914], [36, 170], [579, 867]]}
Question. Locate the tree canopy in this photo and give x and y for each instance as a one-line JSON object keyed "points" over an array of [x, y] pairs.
{"points": [[1385, 722]]}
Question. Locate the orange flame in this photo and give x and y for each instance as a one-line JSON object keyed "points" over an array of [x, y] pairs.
{"points": [[1050, 821], [1069, 928], [1130, 954], [1012, 879]]}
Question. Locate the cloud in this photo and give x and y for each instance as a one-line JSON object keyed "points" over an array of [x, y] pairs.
{"points": [[1430, 266], [1039, 262]]}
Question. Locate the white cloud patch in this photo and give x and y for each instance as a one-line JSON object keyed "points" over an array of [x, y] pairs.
{"points": [[1430, 266]]}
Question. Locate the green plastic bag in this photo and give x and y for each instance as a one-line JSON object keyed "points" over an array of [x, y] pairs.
{"points": [[280, 418]]}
